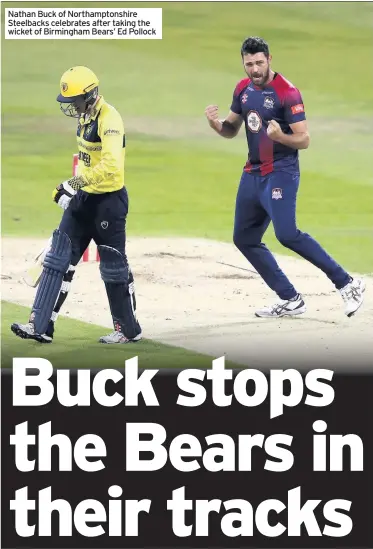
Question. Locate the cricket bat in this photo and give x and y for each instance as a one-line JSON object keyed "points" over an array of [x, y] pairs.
{"points": [[32, 276]]}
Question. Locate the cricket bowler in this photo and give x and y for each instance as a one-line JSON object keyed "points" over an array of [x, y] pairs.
{"points": [[95, 204], [273, 112]]}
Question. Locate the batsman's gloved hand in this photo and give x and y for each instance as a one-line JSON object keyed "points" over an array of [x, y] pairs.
{"points": [[76, 182], [63, 194]]}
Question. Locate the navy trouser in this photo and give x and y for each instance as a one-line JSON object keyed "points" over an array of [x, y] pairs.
{"points": [[98, 217], [262, 199]]}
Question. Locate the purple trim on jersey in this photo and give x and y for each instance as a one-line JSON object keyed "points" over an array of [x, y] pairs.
{"points": [[279, 100]]}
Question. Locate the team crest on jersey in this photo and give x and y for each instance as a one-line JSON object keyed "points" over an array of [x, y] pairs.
{"points": [[254, 121], [244, 98], [269, 102], [276, 194], [104, 224]]}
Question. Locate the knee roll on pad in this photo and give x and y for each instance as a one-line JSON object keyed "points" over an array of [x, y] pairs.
{"points": [[56, 264], [58, 256], [113, 265]]}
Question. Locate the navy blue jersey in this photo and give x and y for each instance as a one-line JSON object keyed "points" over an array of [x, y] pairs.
{"points": [[279, 100]]}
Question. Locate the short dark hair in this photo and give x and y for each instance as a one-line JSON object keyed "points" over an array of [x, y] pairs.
{"points": [[253, 45]]}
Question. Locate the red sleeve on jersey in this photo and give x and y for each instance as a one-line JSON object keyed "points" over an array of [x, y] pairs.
{"points": [[294, 107], [242, 84], [236, 103], [291, 100]]}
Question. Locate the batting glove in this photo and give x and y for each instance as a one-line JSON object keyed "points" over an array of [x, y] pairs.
{"points": [[76, 183], [63, 194]]}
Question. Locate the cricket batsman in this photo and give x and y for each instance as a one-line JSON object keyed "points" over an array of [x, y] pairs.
{"points": [[95, 204], [273, 112]]}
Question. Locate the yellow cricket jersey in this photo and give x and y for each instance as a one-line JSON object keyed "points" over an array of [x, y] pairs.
{"points": [[101, 145]]}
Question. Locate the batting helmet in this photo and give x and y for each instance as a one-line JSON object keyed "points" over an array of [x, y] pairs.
{"points": [[77, 83]]}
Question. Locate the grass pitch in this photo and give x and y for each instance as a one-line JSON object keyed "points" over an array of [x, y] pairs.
{"points": [[76, 346]]}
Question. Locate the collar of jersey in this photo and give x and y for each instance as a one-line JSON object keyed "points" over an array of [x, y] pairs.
{"points": [[94, 113]]}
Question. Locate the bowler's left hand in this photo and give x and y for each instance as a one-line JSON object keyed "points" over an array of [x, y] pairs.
{"points": [[274, 131]]}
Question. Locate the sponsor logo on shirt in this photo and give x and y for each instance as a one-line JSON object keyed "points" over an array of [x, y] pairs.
{"points": [[112, 132], [89, 148], [296, 109], [254, 121]]}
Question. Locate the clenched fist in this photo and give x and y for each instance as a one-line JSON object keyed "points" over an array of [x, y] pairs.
{"points": [[274, 130], [212, 115]]}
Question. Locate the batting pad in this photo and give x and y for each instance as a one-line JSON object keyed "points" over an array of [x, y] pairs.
{"points": [[56, 263], [113, 266], [120, 290]]}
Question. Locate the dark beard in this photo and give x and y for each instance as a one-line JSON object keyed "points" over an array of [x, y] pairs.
{"points": [[266, 77]]}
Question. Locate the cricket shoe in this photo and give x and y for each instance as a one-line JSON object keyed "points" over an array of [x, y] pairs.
{"points": [[118, 337], [27, 331], [291, 307], [353, 296]]}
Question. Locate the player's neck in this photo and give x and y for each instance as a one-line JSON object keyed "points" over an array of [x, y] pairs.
{"points": [[271, 76]]}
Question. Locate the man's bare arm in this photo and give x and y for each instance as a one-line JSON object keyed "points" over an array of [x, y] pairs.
{"points": [[229, 127]]}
